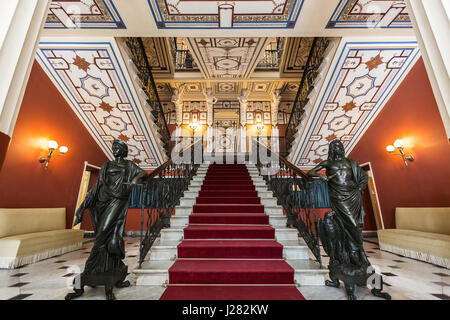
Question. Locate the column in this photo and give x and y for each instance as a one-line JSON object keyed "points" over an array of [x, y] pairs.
{"points": [[20, 27], [431, 25]]}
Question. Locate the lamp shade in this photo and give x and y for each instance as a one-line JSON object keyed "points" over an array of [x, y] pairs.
{"points": [[52, 144], [398, 143], [63, 149], [390, 148]]}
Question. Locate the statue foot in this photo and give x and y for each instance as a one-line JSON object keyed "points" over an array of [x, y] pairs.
{"points": [[123, 284], [378, 293], [110, 296], [333, 283], [351, 296], [73, 295]]}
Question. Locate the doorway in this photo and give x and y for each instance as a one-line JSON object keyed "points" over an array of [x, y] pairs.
{"points": [[226, 124], [373, 220]]}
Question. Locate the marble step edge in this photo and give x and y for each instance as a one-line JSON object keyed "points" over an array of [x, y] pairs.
{"points": [[192, 200], [156, 273], [177, 234], [169, 251], [183, 221]]}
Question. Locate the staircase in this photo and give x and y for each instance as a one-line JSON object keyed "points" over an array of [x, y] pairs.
{"points": [[227, 236]]}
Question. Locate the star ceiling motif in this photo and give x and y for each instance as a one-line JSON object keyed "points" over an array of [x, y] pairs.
{"points": [[123, 137], [331, 137], [374, 62], [106, 107], [318, 160], [81, 63], [349, 106]]}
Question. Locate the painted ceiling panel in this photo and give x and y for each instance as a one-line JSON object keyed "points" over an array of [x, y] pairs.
{"points": [[213, 14], [220, 58], [83, 14], [91, 78], [360, 84], [370, 14]]}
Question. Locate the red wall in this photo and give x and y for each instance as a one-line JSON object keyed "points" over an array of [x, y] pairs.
{"points": [[44, 116], [412, 115]]}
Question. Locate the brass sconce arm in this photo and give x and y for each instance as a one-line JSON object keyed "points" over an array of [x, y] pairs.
{"points": [[52, 146]]}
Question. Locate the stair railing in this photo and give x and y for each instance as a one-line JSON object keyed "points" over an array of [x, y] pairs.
{"points": [[315, 58], [161, 193], [294, 190], [139, 57]]}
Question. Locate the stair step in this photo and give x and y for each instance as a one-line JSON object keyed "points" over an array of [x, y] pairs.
{"points": [[250, 249], [231, 272], [228, 208], [228, 232], [234, 200], [229, 219]]}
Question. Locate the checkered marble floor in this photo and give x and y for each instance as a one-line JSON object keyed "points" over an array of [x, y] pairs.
{"points": [[50, 279]]}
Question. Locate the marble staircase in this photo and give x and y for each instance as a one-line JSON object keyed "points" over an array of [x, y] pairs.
{"points": [[163, 254]]}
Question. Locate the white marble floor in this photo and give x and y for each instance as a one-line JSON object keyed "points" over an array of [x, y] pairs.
{"points": [[49, 279]]}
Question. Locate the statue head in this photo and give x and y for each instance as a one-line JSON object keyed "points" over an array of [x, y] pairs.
{"points": [[119, 149], [336, 150]]}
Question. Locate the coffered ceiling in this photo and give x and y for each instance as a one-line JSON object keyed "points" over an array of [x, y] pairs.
{"points": [[241, 18]]}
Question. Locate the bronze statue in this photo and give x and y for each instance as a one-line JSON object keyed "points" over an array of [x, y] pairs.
{"points": [[341, 230], [108, 205]]}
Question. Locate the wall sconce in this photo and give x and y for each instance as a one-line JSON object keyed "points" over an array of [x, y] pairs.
{"points": [[52, 146], [194, 126], [398, 144], [260, 128]]}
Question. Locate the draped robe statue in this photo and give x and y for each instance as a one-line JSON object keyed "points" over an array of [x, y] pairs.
{"points": [[108, 205], [341, 230]]}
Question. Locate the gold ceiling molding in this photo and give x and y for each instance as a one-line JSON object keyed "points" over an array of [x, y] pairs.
{"points": [[227, 58]]}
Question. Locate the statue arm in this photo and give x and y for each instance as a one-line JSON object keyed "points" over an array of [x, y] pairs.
{"points": [[314, 172], [140, 176]]}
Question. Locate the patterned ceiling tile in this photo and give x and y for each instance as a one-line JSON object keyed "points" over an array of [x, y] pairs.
{"points": [[91, 78], [226, 87], [370, 14], [194, 87], [157, 54], [213, 14], [227, 57], [360, 84], [83, 14], [291, 87], [297, 54]]}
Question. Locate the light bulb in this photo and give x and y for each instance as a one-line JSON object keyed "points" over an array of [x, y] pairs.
{"points": [[390, 148], [398, 143], [63, 149], [53, 145]]}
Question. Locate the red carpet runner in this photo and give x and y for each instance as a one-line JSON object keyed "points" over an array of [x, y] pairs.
{"points": [[229, 250]]}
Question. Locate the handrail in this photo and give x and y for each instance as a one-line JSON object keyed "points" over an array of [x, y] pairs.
{"points": [[300, 87], [139, 57], [169, 162], [161, 192], [286, 162], [294, 190], [315, 57]]}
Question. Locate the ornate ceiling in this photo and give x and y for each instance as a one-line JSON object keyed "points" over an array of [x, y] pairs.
{"points": [[83, 14], [92, 78], [369, 14], [147, 16], [363, 77], [227, 58], [212, 14]]}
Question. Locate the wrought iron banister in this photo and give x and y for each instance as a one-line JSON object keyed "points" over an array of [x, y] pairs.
{"points": [[294, 190], [315, 58], [161, 192], [139, 57]]}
